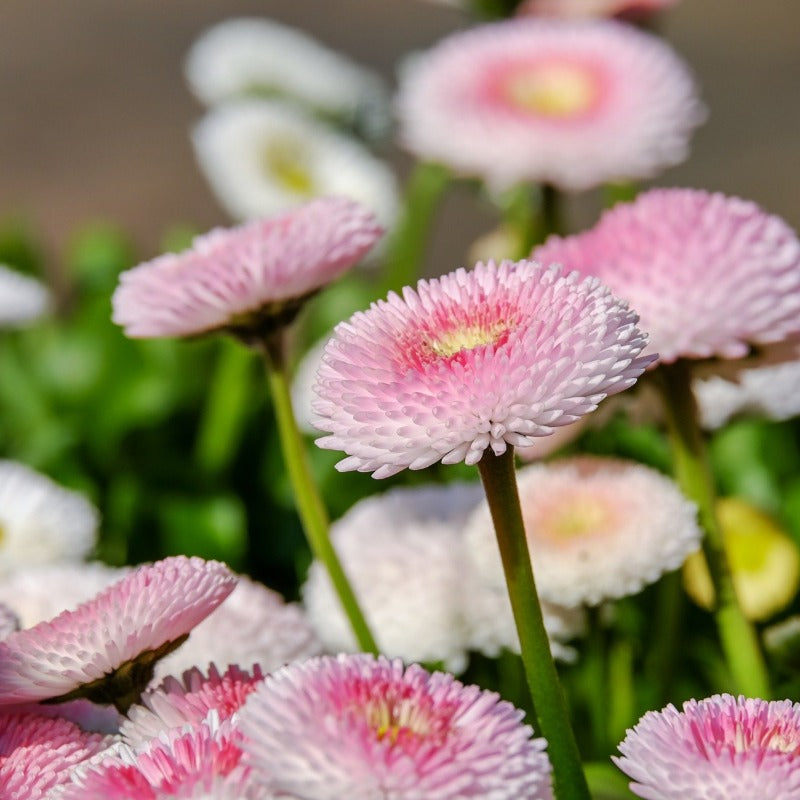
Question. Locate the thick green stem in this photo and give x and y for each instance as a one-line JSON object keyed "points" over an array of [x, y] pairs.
{"points": [[224, 412], [550, 707], [693, 474], [551, 212], [406, 245], [309, 503]]}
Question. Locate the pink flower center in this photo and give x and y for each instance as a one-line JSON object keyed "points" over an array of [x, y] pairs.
{"points": [[552, 89]]}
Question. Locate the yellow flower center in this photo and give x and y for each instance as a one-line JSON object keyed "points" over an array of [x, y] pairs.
{"points": [[391, 721], [286, 163], [557, 90], [585, 517], [467, 337]]}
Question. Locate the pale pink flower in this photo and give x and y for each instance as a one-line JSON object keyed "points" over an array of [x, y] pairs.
{"points": [[721, 747], [489, 358], [245, 279], [578, 9], [565, 103], [597, 529], [178, 702], [253, 625], [200, 762], [709, 275], [37, 753], [148, 612], [359, 727]]}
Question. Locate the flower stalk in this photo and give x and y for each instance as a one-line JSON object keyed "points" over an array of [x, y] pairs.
{"points": [[550, 707], [310, 506], [693, 474]]}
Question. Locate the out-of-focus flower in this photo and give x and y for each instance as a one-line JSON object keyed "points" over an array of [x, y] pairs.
{"points": [[579, 9], [254, 625], [709, 275], [247, 279], [725, 747], [489, 358], [42, 591], [597, 529], [305, 375], [569, 104], [41, 521], [261, 57], [175, 702], [262, 157], [202, 762], [771, 391], [359, 727], [764, 560], [404, 555], [23, 299], [37, 753], [105, 649]]}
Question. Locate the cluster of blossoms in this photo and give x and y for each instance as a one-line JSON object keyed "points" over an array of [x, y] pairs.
{"points": [[239, 733]]}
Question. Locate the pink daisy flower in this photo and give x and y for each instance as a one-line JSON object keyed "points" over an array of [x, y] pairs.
{"points": [[597, 529], [720, 747], [577, 9], [175, 703], [105, 649], [570, 104], [710, 275], [359, 727], [201, 762], [37, 753], [246, 279], [489, 358]]}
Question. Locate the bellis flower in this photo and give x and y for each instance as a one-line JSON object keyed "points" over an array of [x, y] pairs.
{"points": [[710, 275], [262, 157], [489, 358], [23, 299], [245, 279], [359, 727], [105, 649], [404, 553], [41, 521], [723, 746], [570, 104], [597, 529]]}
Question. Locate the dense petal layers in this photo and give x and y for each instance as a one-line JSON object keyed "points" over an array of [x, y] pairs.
{"points": [[250, 270], [361, 728], [709, 275], [720, 747], [489, 358], [150, 607], [570, 104]]}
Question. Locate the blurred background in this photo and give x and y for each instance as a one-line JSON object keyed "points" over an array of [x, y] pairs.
{"points": [[96, 114]]}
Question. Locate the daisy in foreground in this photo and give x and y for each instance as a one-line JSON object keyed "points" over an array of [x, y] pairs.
{"points": [[568, 104], [105, 649], [720, 747], [465, 368], [364, 728]]}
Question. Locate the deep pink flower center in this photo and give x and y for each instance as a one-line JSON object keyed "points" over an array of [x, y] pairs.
{"points": [[755, 736]]}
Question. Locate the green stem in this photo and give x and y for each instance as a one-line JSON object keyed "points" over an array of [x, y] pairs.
{"points": [[693, 474], [621, 689], [624, 192], [522, 218], [224, 413], [550, 707], [551, 212], [309, 503], [406, 245], [663, 652]]}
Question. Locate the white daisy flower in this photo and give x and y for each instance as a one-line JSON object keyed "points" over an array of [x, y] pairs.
{"points": [[41, 521], [241, 57], [262, 157]]}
